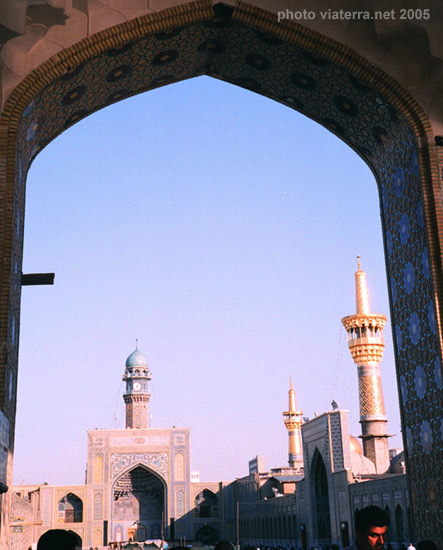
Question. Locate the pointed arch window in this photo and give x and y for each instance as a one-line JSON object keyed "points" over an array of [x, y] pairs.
{"points": [[70, 509], [206, 504], [321, 496]]}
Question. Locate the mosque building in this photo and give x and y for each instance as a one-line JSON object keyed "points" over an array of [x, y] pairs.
{"points": [[312, 503], [139, 484]]}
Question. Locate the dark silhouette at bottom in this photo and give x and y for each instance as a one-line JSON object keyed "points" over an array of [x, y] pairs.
{"points": [[59, 539]]}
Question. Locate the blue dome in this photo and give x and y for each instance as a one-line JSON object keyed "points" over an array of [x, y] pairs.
{"points": [[136, 359]]}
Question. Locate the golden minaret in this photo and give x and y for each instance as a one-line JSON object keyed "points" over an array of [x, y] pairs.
{"points": [[366, 343], [293, 422]]}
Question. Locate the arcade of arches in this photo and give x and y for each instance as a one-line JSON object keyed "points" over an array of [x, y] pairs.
{"points": [[362, 80]]}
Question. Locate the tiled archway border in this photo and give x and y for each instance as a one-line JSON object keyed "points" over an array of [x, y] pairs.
{"points": [[306, 71]]}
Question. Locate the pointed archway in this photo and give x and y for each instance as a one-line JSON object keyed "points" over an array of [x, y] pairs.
{"points": [[138, 506], [305, 71], [319, 484]]}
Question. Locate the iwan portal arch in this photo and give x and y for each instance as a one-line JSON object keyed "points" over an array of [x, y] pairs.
{"points": [[290, 63]]}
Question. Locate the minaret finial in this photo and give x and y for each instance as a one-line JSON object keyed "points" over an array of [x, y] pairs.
{"points": [[362, 292], [291, 387]]}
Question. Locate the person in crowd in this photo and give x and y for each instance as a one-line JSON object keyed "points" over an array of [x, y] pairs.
{"points": [[371, 527]]}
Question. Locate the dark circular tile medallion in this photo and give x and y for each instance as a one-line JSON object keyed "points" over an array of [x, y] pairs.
{"points": [[73, 95], [118, 73], [163, 58], [257, 61], [346, 105], [212, 46], [302, 80]]}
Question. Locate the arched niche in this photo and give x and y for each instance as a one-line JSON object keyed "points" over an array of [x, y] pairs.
{"points": [[70, 509], [206, 504], [139, 505], [320, 498]]}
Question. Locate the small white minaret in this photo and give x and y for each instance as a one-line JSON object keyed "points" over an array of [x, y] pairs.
{"points": [[293, 422], [366, 344]]}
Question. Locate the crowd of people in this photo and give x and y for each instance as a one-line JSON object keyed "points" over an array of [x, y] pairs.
{"points": [[267, 547], [371, 528]]}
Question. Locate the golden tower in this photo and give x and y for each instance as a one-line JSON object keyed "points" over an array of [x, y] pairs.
{"points": [[366, 343], [293, 422]]}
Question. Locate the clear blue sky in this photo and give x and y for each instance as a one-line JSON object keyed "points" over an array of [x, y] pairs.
{"points": [[219, 228]]}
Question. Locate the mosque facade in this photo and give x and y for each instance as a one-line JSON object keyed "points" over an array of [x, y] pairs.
{"points": [[139, 484]]}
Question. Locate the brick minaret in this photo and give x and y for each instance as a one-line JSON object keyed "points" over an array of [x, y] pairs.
{"points": [[137, 397], [365, 340]]}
